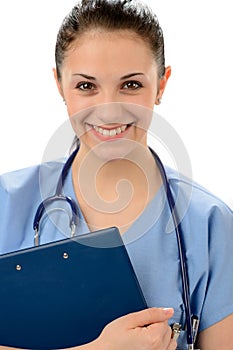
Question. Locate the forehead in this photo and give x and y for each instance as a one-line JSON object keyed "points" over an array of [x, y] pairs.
{"points": [[107, 34], [110, 44]]}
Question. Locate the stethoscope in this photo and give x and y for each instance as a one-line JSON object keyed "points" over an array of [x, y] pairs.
{"points": [[192, 321]]}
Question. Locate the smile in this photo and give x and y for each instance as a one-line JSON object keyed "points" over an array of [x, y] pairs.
{"points": [[110, 132]]}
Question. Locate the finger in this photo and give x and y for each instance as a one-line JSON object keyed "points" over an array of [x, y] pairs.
{"points": [[172, 345], [148, 316], [167, 336], [162, 331]]}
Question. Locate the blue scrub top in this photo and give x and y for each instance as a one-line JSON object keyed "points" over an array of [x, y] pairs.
{"points": [[207, 225]]}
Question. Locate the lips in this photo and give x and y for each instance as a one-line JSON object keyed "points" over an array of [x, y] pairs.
{"points": [[104, 132], [110, 132]]}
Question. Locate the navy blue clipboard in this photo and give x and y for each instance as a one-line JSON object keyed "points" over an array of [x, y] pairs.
{"points": [[62, 294]]}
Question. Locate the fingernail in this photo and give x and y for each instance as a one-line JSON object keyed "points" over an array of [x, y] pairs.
{"points": [[168, 310]]}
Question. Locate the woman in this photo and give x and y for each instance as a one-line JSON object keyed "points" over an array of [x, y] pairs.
{"points": [[110, 71]]}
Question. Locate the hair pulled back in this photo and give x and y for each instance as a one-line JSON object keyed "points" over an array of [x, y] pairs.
{"points": [[111, 15]]}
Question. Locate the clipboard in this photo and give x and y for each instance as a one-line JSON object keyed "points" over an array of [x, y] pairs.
{"points": [[62, 294]]}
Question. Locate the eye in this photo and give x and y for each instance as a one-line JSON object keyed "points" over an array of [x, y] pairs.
{"points": [[132, 85], [85, 86]]}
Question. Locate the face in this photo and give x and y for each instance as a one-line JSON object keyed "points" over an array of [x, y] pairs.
{"points": [[110, 84]]}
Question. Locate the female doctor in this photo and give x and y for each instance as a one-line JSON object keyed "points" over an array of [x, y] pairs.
{"points": [[110, 71]]}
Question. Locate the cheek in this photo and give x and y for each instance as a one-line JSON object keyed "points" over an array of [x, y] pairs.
{"points": [[74, 105], [147, 99], [81, 116], [77, 120]]}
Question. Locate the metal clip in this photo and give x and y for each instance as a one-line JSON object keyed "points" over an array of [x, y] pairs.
{"points": [[195, 326], [176, 329], [73, 229], [191, 347], [36, 237]]}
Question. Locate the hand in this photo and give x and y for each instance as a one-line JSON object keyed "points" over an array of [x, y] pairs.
{"points": [[143, 330]]}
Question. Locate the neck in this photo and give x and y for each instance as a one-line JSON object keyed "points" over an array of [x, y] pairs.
{"points": [[136, 173], [116, 192]]}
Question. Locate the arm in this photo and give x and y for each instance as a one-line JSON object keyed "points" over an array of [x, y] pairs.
{"points": [[147, 329], [218, 336]]}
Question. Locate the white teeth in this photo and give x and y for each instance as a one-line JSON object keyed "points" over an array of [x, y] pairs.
{"points": [[111, 132], [106, 132]]}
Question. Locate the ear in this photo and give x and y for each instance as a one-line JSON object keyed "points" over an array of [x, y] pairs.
{"points": [[162, 85], [58, 82]]}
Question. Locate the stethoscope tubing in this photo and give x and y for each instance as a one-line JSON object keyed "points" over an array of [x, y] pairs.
{"points": [[177, 226], [181, 247]]}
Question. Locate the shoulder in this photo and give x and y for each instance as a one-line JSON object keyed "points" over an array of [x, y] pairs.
{"points": [[11, 181], [21, 192], [198, 200], [22, 179]]}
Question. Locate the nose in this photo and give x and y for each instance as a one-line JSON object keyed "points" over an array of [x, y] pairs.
{"points": [[107, 94], [110, 113], [109, 106]]}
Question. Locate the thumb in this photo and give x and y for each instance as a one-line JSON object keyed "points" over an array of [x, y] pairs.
{"points": [[148, 316]]}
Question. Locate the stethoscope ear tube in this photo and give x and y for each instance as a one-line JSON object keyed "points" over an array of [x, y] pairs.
{"points": [[181, 249]]}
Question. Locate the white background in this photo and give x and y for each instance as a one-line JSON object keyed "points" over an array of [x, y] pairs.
{"points": [[197, 103]]}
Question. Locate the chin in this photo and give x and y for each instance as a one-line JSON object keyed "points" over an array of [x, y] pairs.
{"points": [[112, 150]]}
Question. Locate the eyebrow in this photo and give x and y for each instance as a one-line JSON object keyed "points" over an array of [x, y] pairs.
{"points": [[85, 76], [130, 75], [89, 77]]}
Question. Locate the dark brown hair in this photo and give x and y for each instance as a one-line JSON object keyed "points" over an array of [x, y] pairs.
{"points": [[111, 15]]}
